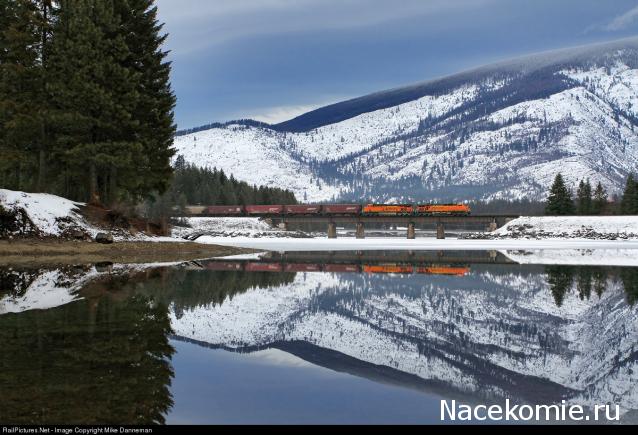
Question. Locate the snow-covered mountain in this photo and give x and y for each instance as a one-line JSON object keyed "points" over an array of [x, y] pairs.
{"points": [[499, 131], [494, 334]]}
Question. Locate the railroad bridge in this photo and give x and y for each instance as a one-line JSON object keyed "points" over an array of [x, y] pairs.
{"points": [[485, 222]]}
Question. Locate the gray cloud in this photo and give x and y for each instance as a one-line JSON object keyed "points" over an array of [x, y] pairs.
{"points": [[196, 24], [622, 21]]}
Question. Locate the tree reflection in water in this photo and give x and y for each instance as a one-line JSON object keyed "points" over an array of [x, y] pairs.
{"points": [[585, 279], [104, 358]]}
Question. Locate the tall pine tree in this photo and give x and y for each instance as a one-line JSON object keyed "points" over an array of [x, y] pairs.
{"points": [[153, 112], [86, 108], [584, 196], [20, 92], [629, 203], [599, 202], [560, 200]]}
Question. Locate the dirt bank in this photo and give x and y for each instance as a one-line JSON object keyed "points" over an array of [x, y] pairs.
{"points": [[55, 252]]}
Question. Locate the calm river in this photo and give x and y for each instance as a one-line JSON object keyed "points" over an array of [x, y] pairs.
{"points": [[376, 337]]}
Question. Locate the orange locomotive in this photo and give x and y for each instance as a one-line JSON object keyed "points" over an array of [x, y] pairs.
{"points": [[387, 268], [388, 209], [418, 210], [444, 270]]}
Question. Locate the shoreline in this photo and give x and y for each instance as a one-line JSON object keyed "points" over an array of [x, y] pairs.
{"points": [[418, 244], [51, 252]]}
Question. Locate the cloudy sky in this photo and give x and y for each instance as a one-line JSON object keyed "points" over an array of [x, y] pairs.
{"points": [[275, 59]]}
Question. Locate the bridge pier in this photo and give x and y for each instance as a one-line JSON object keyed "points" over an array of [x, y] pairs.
{"points": [[411, 231], [332, 230], [360, 233], [440, 231], [493, 226]]}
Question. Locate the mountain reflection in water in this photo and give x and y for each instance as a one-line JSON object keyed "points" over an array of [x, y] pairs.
{"points": [[89, 345]]}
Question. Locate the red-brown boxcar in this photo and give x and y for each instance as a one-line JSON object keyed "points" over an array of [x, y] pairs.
{"points": [[341, 268], [341, 209], [224, 265], [263, 267], [443, 209], [225, 209], [302, 267], [302, 209], [264, 209]]}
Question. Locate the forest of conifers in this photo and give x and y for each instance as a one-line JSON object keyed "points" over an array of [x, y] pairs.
{"points": [[86, 107]]}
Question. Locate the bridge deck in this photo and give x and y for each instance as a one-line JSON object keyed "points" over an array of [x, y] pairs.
{"points": [[478, 219]]}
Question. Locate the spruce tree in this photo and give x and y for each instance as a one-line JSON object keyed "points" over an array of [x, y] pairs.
{"points": [[95, 96], [599, 201], [584, 196], [560, 200], [153, 110], [629, 202], [20, 92]]}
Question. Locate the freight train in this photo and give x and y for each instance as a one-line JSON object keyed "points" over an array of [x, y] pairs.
{"points": [[332, 210], [390, 268]]}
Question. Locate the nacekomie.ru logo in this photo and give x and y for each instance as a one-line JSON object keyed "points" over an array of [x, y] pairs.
{"points": [[453, 411]]}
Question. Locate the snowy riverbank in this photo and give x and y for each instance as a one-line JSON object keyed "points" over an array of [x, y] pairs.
{"points": [[42, 215], [231, 227], [566, 227]]}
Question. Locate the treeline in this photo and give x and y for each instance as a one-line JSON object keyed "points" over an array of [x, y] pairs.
{"points": [[196, 185], [192, 185], [591, 202], [86, 107]]}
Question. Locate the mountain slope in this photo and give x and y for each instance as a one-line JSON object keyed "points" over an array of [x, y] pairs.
{"points": [[500, 131], [494, 334]]}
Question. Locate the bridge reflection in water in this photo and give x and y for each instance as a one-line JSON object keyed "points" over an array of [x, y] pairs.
{"points": [[403, 262]]}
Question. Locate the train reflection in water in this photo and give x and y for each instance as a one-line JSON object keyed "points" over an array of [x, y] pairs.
{"points": [[273, 266], [450, 263]]}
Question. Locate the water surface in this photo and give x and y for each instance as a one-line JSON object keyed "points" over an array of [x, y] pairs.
{"points": [[367, 337]]}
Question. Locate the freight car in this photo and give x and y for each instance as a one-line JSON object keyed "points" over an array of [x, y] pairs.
{"points": [[264, 209], [302, 209], [332, 210], [341, 209], [235, 210], [443, 209]]}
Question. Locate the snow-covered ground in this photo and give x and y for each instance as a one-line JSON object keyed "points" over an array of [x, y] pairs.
{"points": [[51, 214], [55, 216], [232, 227], [579, 227], [56, 287], [583, 257]]}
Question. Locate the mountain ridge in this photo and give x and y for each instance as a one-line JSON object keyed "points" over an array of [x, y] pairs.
{"points": [[512, 62], [499, 131]]}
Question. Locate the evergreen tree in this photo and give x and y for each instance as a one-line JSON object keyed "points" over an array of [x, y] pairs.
{"points": [[560, 200], [153, 110], [20, 92], [584, 196], [95, 96], [86, 109], [629, 203], [599, 201]]}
